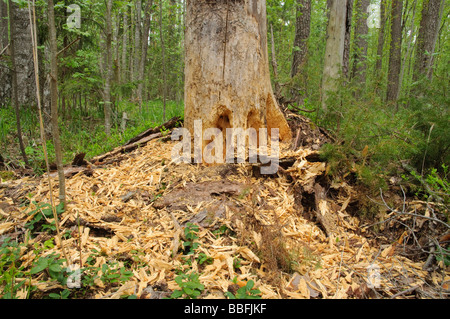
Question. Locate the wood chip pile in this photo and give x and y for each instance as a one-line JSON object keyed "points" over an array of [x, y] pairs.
{"points": [[134, 212]]}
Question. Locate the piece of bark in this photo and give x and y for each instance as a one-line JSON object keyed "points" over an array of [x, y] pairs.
{"points": [[194, 193], [323, 212]]}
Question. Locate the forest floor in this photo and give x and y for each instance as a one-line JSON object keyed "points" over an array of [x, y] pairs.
{"points": [[143, 226]]}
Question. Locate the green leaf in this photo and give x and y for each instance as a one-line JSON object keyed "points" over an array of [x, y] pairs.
{"points": [[176, 294], [55, 268], [41, 265]]}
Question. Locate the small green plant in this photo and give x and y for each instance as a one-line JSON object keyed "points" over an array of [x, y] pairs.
{"points": [[245, 292], [62, 295], [9, 269], [112, 274], [237, 263], [40, 214], [190, 233], [190, 286], [204, 259], [222, 230], [53, 266]]}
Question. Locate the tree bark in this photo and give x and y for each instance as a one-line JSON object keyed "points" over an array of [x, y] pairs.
{"points": [[54, 100], [15, 88], [334, 49], [361, 31], [5, 73], [348, 29], [426, 40], [227, 78], [395, 53], [302, 32]]}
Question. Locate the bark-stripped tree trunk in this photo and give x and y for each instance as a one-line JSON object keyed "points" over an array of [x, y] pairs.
{"points": [[360, 51], [334, 49], [108, 66], [54, 100], [15, 88], [227, 79], [302, 31], [395, 53], [426, 41]]}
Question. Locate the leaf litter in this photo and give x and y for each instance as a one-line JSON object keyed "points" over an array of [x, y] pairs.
{"points": [[136, 208]]}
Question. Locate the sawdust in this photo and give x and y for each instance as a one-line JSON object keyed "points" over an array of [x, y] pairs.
{"points": [[140, 206]]}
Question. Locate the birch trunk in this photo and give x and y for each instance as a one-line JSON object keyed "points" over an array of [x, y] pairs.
{"points": [[334, 49]]}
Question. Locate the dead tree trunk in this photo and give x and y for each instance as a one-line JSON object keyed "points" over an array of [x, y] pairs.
{"points": [[227, 79]]}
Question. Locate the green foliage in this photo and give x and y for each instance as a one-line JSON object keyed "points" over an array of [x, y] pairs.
{"points": [[10, 269], [190, 233], [53, 266], [245, 292], [62, 295], [40, 215], [190, 286]]}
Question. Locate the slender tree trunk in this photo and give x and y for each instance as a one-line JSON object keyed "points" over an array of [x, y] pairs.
{"points": [[5, 74], [395, 53], [144, 49], [137, 39], [124, 72], [274, 63], [334, 49], [348, 29], [14, 97], [409, 49], [227, 78], [381, 36], [163, 61], [360, 51], [107, 92], [302, 31], [54, 100], [426, 40]]}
